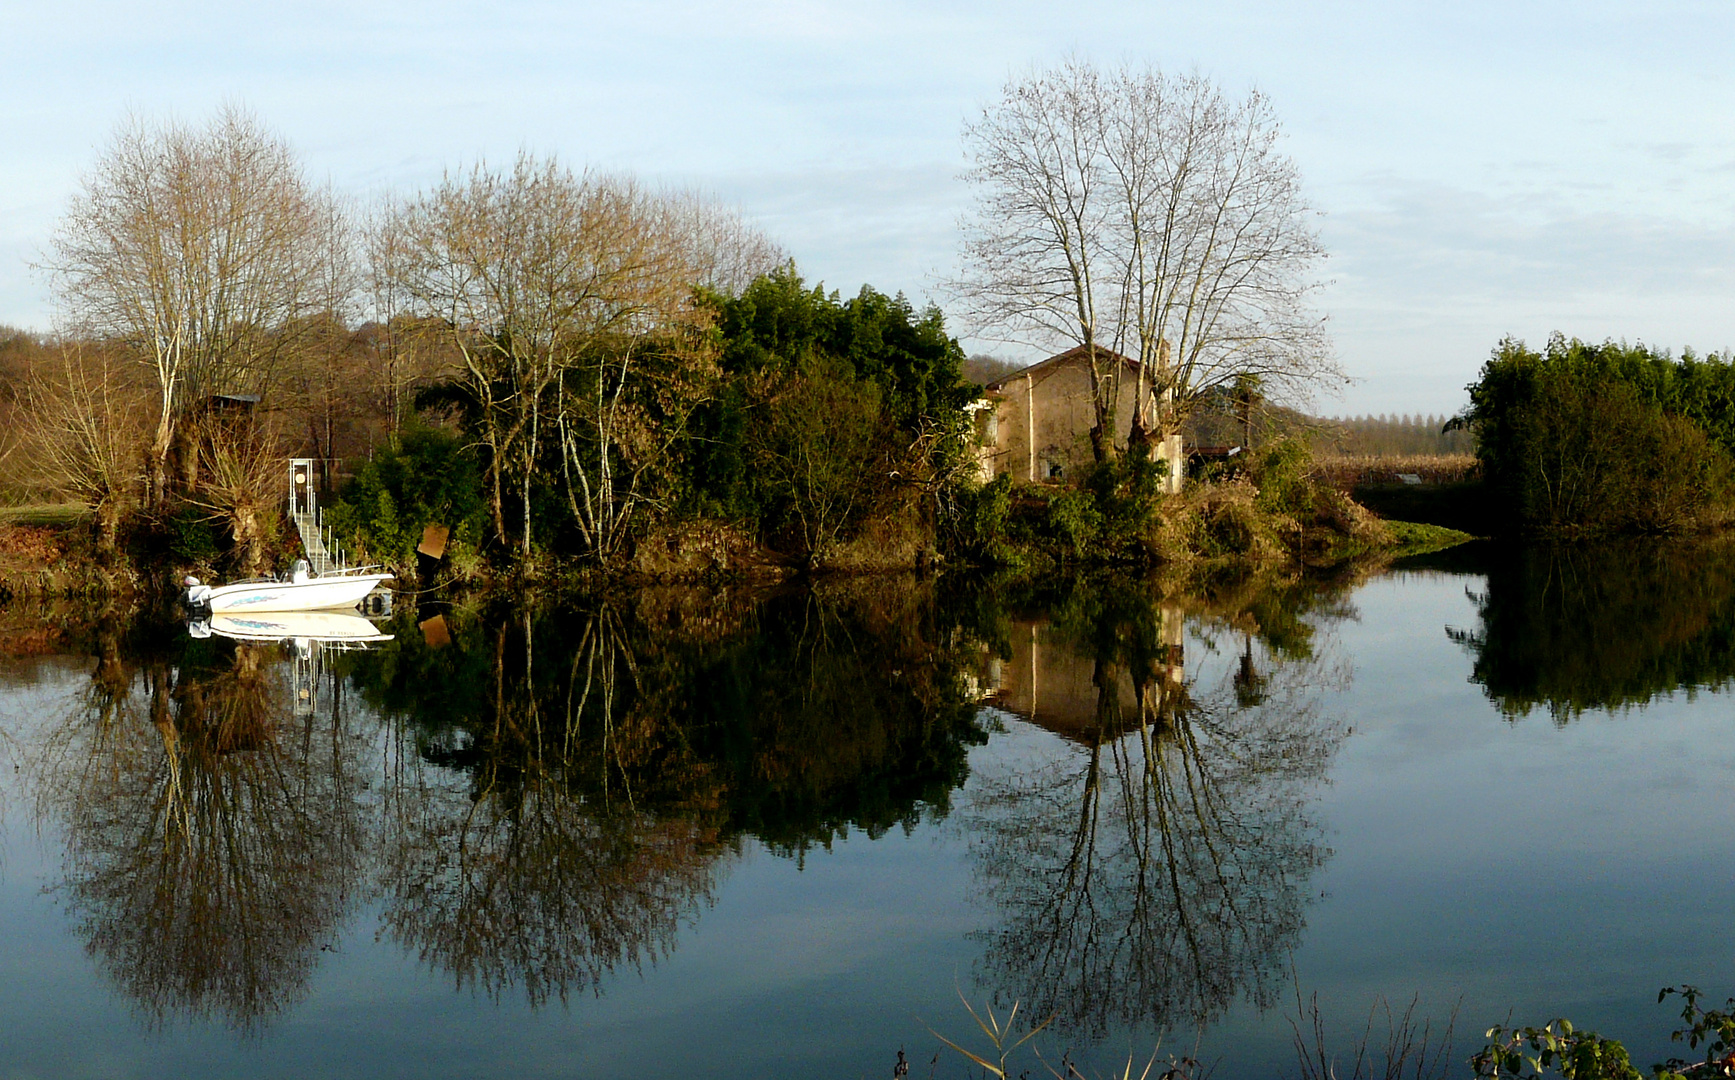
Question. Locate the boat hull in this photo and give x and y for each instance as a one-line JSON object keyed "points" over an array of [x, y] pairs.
{"points": [[317, 594]]}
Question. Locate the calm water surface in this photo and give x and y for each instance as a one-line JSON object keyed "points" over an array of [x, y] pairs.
{"points": [[740, 834]]}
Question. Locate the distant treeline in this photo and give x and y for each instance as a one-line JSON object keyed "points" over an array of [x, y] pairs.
{"points": [[1225, 420], [1397, 435], [1582, 438]]}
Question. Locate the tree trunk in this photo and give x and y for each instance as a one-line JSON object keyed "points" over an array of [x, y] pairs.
{"points": [[496, 497], [1102, 400], [107, 530], [244, 527], [156, 493]]}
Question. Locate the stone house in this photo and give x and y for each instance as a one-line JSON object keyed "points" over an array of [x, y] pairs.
{"points": [[1035, 424]]}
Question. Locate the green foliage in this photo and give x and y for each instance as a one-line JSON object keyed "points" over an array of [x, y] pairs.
{"points": [[1416, 538], [1127, 492], [824, 404], [1712, 1028], [979, 529], [1594, 439], [815, 450], [427, 478], [1107, 520], [1074, 520], [1559, 1049], [777, 322], [1280, 473], [1556, 1048], [193, 536]]}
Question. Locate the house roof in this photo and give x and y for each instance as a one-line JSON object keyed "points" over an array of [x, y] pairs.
{"points": [[1076, 353]]}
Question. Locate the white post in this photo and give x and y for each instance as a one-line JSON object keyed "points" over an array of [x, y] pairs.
{"points": [[1030, 424]]}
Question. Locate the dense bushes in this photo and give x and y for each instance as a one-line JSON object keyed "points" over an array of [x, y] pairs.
{"points": [[828, 412], [1265, 508], [803, 417], [1599, 439], [427, 478]]}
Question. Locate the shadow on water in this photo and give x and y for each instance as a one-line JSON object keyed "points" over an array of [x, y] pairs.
{"points": [[1570, 629], [538, 796]]}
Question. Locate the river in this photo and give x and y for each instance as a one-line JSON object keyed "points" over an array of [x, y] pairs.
{"points": [[736, 832]]}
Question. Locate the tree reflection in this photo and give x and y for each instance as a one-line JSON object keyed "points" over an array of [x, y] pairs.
{"points": [[1604, 627], [534, 857], [571, 781], [1155, 872], [212, 841]]}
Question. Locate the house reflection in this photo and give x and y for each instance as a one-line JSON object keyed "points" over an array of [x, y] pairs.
{"points": [[1155, 872], [1050, 682]]}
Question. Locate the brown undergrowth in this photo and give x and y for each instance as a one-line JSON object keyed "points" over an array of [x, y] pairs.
{"points": [[1350, 471]]}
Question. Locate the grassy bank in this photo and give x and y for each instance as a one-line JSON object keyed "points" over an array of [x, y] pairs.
{"points": [[56, 515]]}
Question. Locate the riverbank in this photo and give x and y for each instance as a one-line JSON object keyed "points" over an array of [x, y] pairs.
{"points": [[1214, 531], [57, 560]]}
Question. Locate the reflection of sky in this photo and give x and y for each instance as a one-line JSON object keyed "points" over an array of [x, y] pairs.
{"points": [[1485, 168], [1532, 869]]}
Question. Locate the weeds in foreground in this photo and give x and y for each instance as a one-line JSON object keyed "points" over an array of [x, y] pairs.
{"points": [[1411, 1051], [1000, 1037], [1004, 1040]]}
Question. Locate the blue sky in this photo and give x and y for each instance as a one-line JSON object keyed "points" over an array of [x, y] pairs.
{"points": [[1482, 169]]}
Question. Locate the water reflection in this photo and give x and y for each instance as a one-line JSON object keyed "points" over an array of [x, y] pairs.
{"points": [[214, 841], [537, 797], [1567, 629], [575, 780], [546, 827], [1155, 873]]}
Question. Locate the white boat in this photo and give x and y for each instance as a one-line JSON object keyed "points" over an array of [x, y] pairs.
{"points": [[324, 627], [333, 591]]}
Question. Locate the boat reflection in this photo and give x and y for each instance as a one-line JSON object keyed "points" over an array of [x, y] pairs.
{"points": [[302, 627], [536, 798]]}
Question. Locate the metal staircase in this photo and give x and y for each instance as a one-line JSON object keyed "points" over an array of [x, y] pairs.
{"points": [[323, 553]]}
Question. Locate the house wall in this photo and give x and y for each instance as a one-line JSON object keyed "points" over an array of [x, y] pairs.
{"points": [[1049, 442]]}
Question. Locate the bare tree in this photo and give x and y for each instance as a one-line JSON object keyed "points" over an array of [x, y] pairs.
{"points": [[239, 463], [570, 301], [725, 250], [407, 348], [83, 434], [1153, 216], [1037, 261], [203, 250]]}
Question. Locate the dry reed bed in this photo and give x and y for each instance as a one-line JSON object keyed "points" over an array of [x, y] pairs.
{"points": [[1348, 472]]}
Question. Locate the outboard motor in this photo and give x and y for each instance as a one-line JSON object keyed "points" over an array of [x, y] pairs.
{"points": [[197, 594]]}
